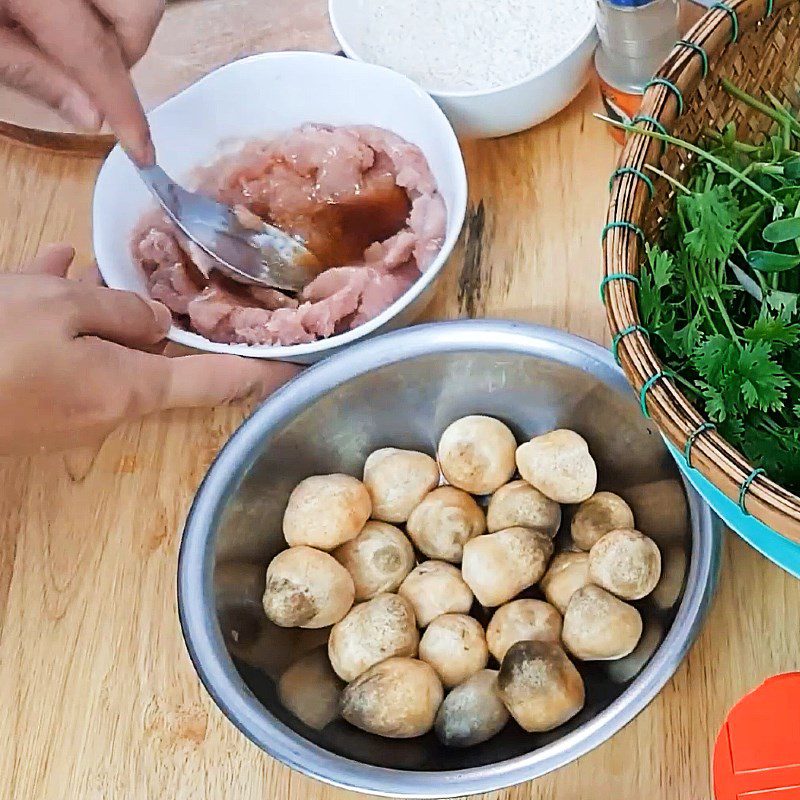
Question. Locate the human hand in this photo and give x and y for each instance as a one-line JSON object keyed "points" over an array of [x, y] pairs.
{"points": [[75, 56], [73, 364]]}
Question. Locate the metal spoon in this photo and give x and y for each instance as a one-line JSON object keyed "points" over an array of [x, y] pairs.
{"points": [[262, 255]]}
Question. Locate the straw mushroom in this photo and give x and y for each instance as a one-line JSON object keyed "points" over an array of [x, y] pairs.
{"points": [[476, 454], [310, 689], [540, 686], [520, 504], [325, 511], [397, 481], [595, 517], [599, 626], [472, 712], [498, 566], [626, 563], [455, 646], [378, 559], [522, 620], [567, 573], [382, 627], [307, 588], [397, 698], [559, 465], [444, 521], [435, 588]]}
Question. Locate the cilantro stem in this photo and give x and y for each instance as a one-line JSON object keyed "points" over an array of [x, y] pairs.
{"points": [[692, 148], [736, 145], [748, 99], [725, 318], [668, 178], [693, 280], [750, 222], [746, 171], [683, 382]]}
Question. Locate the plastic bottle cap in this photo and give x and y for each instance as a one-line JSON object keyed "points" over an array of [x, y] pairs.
{"points": [[628, 3], [757, 754]]}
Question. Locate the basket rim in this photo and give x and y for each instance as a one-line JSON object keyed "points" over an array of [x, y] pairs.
{"points": [[678, 419]]}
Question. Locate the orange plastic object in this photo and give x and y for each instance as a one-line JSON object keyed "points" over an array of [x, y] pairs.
{"points": [[619, 106], [757, 754]]}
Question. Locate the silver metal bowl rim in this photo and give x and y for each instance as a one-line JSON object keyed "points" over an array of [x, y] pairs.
{"points": [[196, 598]]}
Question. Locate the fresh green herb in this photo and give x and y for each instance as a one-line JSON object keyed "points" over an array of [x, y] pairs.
{"points": [[769, 261], [720, 292]]}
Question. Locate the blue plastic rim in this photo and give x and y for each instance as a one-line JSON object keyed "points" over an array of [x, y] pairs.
{"points": [[777, 548]]}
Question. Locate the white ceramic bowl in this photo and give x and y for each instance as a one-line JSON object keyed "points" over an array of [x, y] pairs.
{"points": [[259, 97], [494, 112]]}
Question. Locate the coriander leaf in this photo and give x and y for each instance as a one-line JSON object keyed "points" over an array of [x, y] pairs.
{"points": [[714, 357], [783, 303], [716, 405], [775, 331], [711, 216], [658, 275], [732, 429], [688, 337], [662, 266], [796, 409], [779, 455], [763, 382]]}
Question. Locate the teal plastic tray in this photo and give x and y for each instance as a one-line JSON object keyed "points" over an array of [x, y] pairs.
{"points": [[777, 548]]}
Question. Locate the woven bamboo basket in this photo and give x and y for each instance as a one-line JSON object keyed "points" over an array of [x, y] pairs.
{"points": [[756, 45]]}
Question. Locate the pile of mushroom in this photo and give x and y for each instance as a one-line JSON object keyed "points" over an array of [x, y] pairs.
{"points": [[395, 564]]}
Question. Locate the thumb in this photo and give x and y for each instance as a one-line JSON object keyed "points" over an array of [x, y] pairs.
{"points": [[214, 380]]}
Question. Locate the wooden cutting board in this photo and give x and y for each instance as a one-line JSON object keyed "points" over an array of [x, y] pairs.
{"points": [[195, 37]]}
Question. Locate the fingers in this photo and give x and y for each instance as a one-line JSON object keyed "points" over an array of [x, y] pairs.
{"points": [[214, 380], [91, 275], [121, 317], [53, 259], [134, 24], [126, 384], [24, 67], [73, 35]]}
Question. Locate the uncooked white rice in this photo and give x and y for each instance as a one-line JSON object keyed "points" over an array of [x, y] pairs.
{"points": [[470, 45]]}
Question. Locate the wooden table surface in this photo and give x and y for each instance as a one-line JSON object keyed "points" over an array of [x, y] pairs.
{"points": [[98, 698]]}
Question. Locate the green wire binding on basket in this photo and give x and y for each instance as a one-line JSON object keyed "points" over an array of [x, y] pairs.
{"points": [[671, 86], [734, 19], [648, 385], [770, 5], [656, 124], [630, 226], [699, 50], [618, 276], [645, 179], [687, 449], [620, 335], [746, 486]]}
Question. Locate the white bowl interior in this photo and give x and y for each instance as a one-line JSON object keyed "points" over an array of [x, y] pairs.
{"points": [[257, 98], [348, 18]]}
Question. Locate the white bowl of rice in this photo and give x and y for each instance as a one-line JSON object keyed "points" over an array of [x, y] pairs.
{"points": [[495, 67]]}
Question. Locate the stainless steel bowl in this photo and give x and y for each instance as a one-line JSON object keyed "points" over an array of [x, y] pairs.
{"points": [[402, 390]]}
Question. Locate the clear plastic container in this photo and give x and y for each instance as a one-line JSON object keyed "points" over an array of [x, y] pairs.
{"points": [[635, 38]]}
